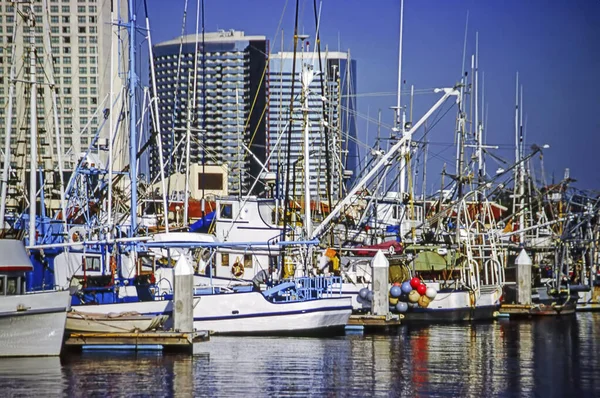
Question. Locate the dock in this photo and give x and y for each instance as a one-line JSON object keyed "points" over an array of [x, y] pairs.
{"points": [[136, 341], [374, 323], [526, 310]]}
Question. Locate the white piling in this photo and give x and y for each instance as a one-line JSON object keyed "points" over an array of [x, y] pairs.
{"points": [[523, 263], [381, 266], [183, 296]]}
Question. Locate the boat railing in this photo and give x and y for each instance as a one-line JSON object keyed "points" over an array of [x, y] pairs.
{"points": [[306, 288]]}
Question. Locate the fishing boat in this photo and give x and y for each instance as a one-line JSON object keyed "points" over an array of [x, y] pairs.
{"points": [[31, 324], [298, 307]]}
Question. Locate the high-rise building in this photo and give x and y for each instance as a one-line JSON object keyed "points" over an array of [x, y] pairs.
{"points": [[331, 111], [72, 40], [227, 115]]}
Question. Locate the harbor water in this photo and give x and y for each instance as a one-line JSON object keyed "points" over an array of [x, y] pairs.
{"points": [[543, 357]]}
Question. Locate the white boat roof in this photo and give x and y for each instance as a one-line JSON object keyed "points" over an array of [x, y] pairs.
{"points": [[184, 237], [13, 256]]}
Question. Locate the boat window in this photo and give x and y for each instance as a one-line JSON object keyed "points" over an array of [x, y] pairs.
{"points": [[226, 211], [12, 286], [2, 285], [247, 260], [225, 259], [92, 263]]}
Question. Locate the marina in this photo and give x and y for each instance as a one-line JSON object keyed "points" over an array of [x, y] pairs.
{"points": [[211, 214]]}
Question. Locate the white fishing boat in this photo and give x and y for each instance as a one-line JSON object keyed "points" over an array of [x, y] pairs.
{"points": [[31, 324], [299, 307]]}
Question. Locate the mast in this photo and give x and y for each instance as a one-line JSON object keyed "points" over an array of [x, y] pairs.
{"points": [[33, 129], [7, 135], [521, 175], [186, 195], [111, 124], [307, 77], [516, 190], [132, 116], [157, 124], [240, 142], [54, 89], [399, 113]]}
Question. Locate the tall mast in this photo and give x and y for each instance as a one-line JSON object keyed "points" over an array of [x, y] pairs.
{"points": [[54, 89], [399, 113], [132, 116], [186, 195], [11, 95], [33, 129], [307, 77], [517, 151], [110, 122], [521, 174], [157, 124]]}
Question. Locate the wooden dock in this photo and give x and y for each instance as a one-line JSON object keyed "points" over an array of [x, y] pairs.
{"points": [[527, 310], [368, 322], [164, 341]]}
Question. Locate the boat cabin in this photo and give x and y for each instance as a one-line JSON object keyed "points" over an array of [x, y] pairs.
{"points": [[14, 264]]}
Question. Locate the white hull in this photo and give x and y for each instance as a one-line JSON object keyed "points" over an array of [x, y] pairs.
{"points": [[446, 306], [37, 328], [251, 313], [247, 313], [590, 300]]}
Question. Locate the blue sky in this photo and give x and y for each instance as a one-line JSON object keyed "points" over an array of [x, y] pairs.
{"points": [[553, 44]]}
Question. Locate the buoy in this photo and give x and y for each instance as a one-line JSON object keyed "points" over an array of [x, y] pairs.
{"points": [[406, 287], [415, 282], [423, 301], [397, 284], [413, 296], [431, 293], [422, 289], [395, 291], [393, 300], [401, 307], [363, 292], [370, 296], [412, 305], [403, 297]]}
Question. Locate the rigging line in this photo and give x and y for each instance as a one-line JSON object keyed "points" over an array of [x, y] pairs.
{"points": [[176, 94], [260, 83], [325, 117], [289, 141]]}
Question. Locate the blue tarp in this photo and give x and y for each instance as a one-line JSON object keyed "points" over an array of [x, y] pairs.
{"points": [[202, 224]]}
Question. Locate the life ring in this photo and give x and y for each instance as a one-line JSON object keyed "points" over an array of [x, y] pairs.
{"points": [[237, 269], [76, 236]]}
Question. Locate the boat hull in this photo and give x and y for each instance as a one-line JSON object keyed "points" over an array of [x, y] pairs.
{"points": [[250, 313], [37, 327]]}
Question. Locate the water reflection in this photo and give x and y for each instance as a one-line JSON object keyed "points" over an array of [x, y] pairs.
{"points": [[541, 357]]}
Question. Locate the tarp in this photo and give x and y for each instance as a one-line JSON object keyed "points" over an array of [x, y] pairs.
{"points": [[430, 261], [203, 224]]}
